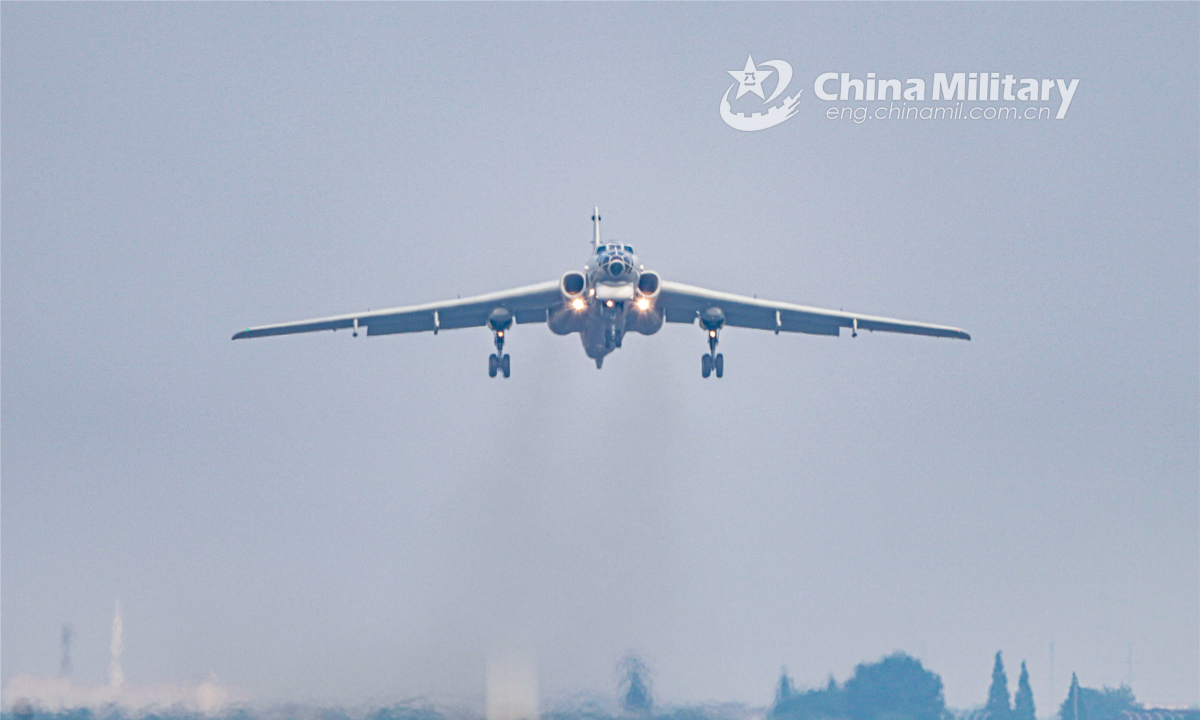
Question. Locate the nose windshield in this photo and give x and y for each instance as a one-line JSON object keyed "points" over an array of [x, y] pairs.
{"points": [[615, 263]]}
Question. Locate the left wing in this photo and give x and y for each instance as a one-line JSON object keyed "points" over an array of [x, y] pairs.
{"points": [[683, 303], [529, 304]]}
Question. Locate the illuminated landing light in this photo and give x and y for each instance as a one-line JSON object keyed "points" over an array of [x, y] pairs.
{"points": [[609, 303], [712, 333], [643, 304], [501, 333], [577, 303]]}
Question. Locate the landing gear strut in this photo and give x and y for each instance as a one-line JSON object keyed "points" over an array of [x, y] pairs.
{"points": [[498, 361], [712, 320], [499, 321]]}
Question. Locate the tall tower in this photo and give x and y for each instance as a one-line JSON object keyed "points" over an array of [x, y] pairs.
{"points": [[116, 677]]}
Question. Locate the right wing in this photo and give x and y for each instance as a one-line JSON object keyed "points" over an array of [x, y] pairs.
{"points": [[529, 304], [684, 303]]}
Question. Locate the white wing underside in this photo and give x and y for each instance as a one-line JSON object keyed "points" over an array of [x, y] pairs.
{"points": [[533, 303], [684, 302], [528, 304]]}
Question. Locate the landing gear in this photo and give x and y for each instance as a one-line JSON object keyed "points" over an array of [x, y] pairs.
{"points": [[612, 314], [613, 337], [499, 321], [712, 363], [712, 320], [499, 361]]}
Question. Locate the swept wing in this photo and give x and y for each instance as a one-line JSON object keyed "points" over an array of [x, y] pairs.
{"points": [[529, 304], [684, 303]]}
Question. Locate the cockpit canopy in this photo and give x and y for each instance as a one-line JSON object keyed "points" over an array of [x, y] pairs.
{"points": [[615, 262], [614, 247]]}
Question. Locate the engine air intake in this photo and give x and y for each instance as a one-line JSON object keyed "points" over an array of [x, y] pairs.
{"points": [[648, 284], [572, 284]]}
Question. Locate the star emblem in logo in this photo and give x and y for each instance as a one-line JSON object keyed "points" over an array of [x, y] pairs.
{"points": [[750, 78]]}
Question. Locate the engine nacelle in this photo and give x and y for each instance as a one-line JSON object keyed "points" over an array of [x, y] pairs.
{"points": [[649, 284], [646, 322], [644, 316], [572, 285], [570, 316]]}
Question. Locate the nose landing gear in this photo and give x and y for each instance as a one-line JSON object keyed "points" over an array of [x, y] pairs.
{"points": [[613, 313]]}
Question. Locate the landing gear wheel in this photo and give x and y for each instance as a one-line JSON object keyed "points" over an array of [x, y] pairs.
{"points": [[493, 365], [504, 365], [706, 365], [712, 320]]}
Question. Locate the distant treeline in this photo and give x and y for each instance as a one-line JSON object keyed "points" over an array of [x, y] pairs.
{"points": [[897, 687]]}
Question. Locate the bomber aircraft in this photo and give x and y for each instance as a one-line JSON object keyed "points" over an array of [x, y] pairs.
{"points": [[613, 295]]}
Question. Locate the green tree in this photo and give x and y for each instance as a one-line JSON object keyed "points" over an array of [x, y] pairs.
{"points": [[997, 702], [897, 687], [636, 693], [1071, 708], [1023, 702], [825, 703], [785, 691], [1103, 704]]}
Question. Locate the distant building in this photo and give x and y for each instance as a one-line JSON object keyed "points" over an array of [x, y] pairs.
{"points": [[1161, 714]]}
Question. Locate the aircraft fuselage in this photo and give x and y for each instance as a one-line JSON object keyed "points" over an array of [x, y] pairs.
{"points": [[612, 296]]}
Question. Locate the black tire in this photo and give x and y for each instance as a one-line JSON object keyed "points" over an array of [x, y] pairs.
{"points": [[493, 365], [719, 365], [706, 365], [504, 365]]}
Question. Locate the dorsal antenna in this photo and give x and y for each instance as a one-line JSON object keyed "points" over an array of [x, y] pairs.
{"points": [[596, 228]]}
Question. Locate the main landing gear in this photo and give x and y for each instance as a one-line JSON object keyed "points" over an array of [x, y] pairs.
{"points": [[712, 320], [712, 361], [498, 363], [499, 321]]}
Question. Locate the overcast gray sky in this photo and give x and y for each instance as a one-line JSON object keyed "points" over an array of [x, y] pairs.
{"points": [[322, 518]]}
